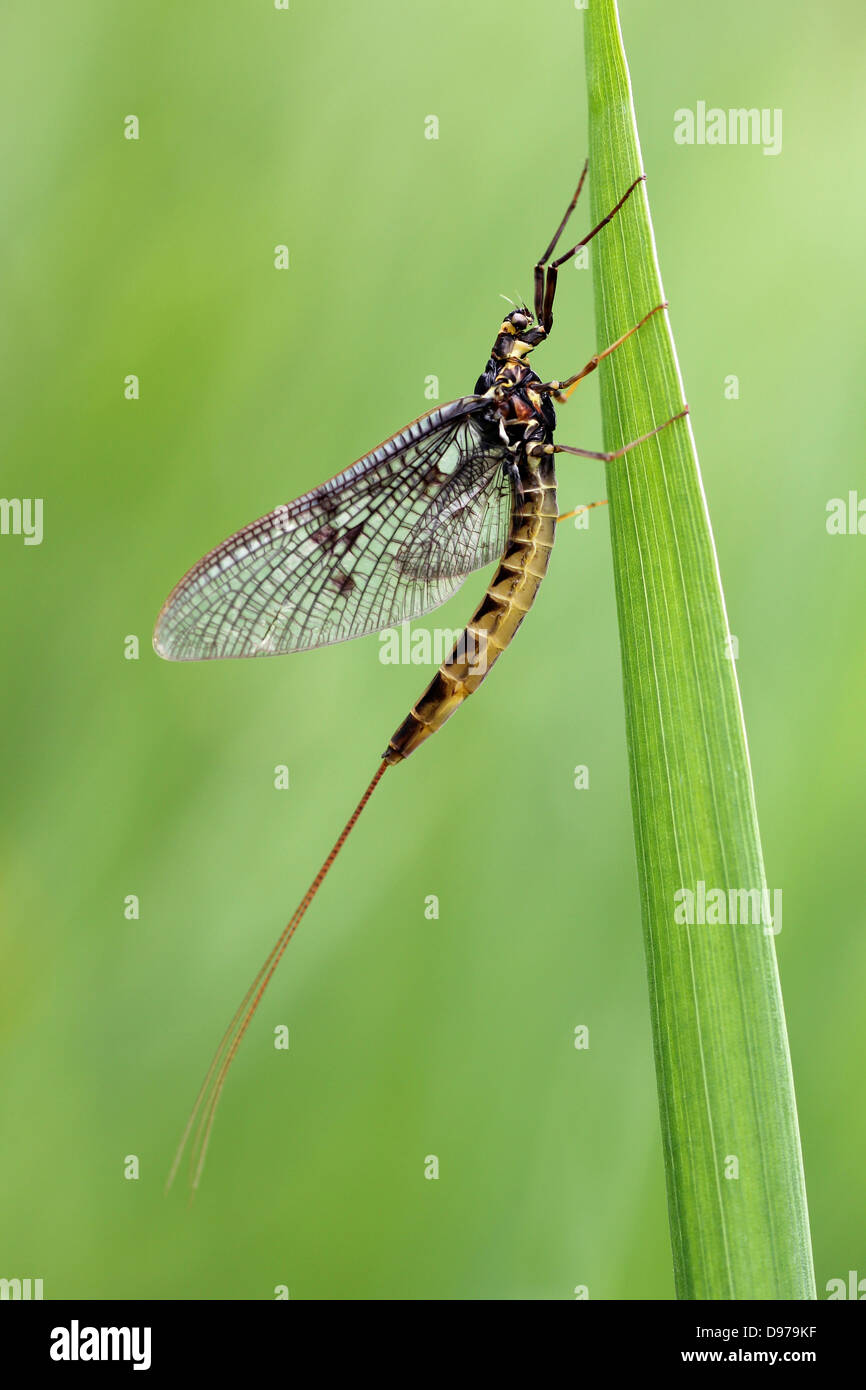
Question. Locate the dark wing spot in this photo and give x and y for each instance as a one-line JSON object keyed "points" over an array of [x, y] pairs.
{"points": [[342, 582], [325, 536], [347, 538]]}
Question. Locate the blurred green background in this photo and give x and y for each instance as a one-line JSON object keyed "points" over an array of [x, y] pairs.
{"points": [[409, 1037]]}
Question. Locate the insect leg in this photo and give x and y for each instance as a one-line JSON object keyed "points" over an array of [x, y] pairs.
{"points": [[617, 453], [585, 507], [546, 317], [539, 269], [563, 389]]}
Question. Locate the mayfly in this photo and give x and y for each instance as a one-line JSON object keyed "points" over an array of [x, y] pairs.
{"points": [[389, 540]]}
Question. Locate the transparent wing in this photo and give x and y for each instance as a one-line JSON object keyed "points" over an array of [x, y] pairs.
{"points": [[388, 540]]}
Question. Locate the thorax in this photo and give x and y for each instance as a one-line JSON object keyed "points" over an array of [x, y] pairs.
{"points": [[515, 403]]}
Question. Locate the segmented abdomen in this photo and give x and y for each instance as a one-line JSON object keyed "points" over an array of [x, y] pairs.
{"points": [[508, 599]]}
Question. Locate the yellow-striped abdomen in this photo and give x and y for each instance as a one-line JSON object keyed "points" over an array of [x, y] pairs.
{"points": [[508, 599]]}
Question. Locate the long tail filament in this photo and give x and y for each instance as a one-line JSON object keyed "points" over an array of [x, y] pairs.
{"points": [[202, 1118]]}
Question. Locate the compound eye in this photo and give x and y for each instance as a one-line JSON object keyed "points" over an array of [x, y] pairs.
{"points": [[520, 319]]}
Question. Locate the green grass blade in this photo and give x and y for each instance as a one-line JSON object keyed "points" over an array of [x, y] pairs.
{"points": [[736, 1194]]}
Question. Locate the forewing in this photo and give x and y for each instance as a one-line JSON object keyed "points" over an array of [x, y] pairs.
{"points": [[466, 525], [385, 541]]}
